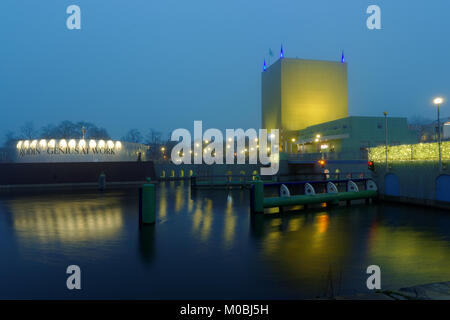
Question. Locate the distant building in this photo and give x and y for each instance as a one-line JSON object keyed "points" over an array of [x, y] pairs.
{"points": [[352, 136], [299, 93], [446, 131], [427, 132]]}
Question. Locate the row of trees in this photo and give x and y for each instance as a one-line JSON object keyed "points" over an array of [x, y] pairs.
{"points": [[65, 129]]}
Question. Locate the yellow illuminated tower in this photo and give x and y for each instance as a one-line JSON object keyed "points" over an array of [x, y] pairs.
{"points": [[297, 93]]}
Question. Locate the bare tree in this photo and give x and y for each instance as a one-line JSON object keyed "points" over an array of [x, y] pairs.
{"points": [[133, 135], [10, 139], [28, 131]]}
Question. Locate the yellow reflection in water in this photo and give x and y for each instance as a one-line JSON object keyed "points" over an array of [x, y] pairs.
{"points": [[305, 247], [202, 218], [162, 200], [410, 254], [207, 220], [66, 220], [179, 197], [230, 222]]}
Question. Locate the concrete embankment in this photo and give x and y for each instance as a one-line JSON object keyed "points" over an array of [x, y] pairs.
{"points": [[414, 182]]}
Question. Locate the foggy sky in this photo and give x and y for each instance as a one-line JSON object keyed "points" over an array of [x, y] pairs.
{"points": [[163, 64]]}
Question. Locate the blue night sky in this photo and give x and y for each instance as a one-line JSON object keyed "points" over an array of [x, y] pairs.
{"points": [[163, 64]]}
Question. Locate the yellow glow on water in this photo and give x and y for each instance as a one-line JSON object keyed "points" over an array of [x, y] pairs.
{"points": [[401, 249], [162, 200], [207, 219], [322, 223], [179, 199], [65, 220], [230, 223]]}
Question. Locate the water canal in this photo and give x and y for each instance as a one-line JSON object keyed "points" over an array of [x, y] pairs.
{"points": [[206, 245]]}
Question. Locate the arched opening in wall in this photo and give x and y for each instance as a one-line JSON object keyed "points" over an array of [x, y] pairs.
{"points": [[255, 175], [172, 173], [182, 173], [391, 185], [443, 188], [163, 174], [191, 173]]}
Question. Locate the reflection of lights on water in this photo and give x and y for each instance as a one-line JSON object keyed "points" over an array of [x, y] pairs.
{"points": [[230, 222], [66, 221], [322, 223]]}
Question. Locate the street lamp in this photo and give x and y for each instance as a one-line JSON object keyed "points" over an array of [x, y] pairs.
{"points": [[386, 137], [292, 144], [438, 101]]}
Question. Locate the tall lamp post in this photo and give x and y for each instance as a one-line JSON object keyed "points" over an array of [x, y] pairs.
{"points": [[386, 138], [438, 101]]}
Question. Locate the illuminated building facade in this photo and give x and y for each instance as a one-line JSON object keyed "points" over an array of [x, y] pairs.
{"points": [[352, 136], [299, 93]]}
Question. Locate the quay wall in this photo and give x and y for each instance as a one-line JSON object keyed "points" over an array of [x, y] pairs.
{"points": [[414, 182]]}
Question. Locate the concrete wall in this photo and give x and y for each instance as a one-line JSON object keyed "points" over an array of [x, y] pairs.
{"points": [[414, 182], [79, 172], [170, 170]]}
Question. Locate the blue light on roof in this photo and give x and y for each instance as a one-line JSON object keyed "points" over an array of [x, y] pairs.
{"points": [[342, 57], [281, 52], [265, 66]]}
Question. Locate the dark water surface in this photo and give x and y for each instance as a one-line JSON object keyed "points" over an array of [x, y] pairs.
{"points": [[207, 245]]}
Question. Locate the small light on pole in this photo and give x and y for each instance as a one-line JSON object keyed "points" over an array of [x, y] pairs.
{"points": [[438, 101]]}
